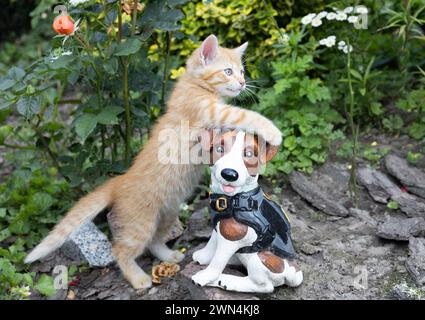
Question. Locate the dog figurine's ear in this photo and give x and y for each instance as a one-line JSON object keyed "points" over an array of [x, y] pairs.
{"points": [[267, 151], [271, 151]]}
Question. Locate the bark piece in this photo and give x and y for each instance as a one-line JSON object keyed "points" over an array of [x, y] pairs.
{"points": [[317, 196], [382, 189], [199, 226], [415, 264], [401, 228], [411, 177]]}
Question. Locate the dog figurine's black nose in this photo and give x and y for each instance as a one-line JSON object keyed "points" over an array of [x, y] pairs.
{"points": [[229, 174]]}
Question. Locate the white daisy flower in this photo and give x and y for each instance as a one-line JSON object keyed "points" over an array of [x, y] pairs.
{"points": [[341, 16], [341, 45], [323, 42], [328, 42], [348, 10], [284, 38], [75, 3], [331, 16], [308, 18], [361, 10], [352, 19], [347, 49], [322, 14], [316, 22]]}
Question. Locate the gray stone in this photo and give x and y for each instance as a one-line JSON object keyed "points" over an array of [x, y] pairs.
{"points": [[176, 231], [415, 264], [209, 293], [401, 228], [89, 244], [403, 291], [411, 177], [199, 226], [364, 216], [382, 189], [317, 195]]}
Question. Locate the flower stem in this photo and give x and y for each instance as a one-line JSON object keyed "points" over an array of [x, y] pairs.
{"points": [[166, 64], [354, 135]]}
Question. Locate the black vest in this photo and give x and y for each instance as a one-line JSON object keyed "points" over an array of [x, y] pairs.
{"points": [[258, 211]]}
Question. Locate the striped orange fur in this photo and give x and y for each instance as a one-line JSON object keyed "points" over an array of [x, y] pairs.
{"points": [[146, 199]]}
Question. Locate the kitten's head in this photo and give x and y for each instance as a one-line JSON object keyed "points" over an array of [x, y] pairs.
{"points": [[219, 67]]}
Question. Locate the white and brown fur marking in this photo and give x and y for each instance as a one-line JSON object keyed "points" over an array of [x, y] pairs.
{"points": [[265, 270]]}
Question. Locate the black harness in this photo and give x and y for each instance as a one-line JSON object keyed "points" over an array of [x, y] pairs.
{"points": [[256, 210]]}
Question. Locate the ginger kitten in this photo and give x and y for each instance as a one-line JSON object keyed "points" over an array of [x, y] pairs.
{"points": [[146, 199]]}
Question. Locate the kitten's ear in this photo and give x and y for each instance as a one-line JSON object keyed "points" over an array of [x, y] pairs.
{"points": [[241, 49], [208, 50]]}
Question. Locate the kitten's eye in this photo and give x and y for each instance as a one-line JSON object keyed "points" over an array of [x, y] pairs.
{"points": [[248, 154], [219, 149], [228, 71]]}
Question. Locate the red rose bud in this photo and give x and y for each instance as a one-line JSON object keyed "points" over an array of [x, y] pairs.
{"points": [[63, 25]]}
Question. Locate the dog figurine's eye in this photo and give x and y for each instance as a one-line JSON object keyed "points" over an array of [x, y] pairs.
{"points": [[219, 149], [228, 71], [248, 154]]}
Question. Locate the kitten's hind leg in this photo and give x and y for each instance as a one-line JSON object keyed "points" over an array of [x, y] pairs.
{"points": [[129, 242], [126, 255], [158, 246]]}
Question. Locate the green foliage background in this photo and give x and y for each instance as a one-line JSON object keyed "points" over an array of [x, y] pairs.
{"points": [[69, 121]]}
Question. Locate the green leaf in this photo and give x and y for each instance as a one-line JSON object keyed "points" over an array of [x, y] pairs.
{"points": [[111, 67], [417, 130], [108, 115], [4, 234], [281, 85], [7, 84], [62, 62], [173, 3], [45, 285], [375, 108], [290, 142], [392, 205], [42, 201], [356, 74], [85, 125], [16, 73], [2, 212], [128, 47], [28, 106]]}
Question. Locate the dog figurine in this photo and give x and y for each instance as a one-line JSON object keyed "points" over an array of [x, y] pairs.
{"points": [[249, 228]]}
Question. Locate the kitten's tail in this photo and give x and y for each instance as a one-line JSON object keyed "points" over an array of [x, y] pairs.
{"points": [[84, 210]]}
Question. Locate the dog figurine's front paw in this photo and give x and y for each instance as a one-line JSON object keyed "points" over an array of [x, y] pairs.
{"points": [[204, 277], [202, 256]]}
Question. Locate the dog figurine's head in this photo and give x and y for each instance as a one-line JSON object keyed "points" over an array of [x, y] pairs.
{"points": [[236, 158]]}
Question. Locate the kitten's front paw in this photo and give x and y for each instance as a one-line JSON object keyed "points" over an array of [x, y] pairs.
{"points": [[205, 277], [272, 135], [175, 257]]}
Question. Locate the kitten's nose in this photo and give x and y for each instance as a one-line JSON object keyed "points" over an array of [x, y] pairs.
{"points": [[229, 174], [242, 82]]}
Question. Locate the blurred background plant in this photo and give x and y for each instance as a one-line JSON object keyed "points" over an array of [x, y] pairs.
{"points": [[75, 110]]}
